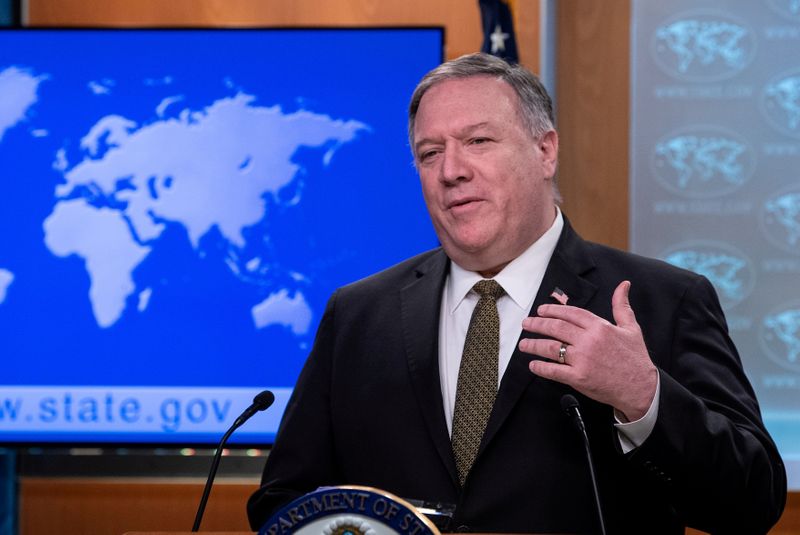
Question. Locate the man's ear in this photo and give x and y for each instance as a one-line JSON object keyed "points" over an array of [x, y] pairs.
{"points": [[548, 146]]}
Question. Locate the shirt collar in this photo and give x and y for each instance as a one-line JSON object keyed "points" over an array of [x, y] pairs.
{"points": [[520, 279]]}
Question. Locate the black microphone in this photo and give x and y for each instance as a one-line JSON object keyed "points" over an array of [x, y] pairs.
{"points": [[261, 402], [572, 408]]}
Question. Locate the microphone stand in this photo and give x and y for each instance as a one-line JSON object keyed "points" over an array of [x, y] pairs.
{"points": [[572, 408], [261, 402]]}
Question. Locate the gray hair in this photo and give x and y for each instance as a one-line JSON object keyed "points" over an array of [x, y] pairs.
{"points": [[535, 103]]}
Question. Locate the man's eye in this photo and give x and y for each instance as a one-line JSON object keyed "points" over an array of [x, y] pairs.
{"points": [[480, 140], [428, 154]]}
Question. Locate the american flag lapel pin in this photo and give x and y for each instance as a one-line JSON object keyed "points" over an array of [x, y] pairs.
{"points": [[559, 295]]}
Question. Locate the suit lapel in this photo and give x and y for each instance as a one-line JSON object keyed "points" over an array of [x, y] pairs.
{"points": [[570, 261], [420, 308]]}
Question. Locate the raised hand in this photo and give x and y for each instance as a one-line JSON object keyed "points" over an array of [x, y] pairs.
{"points": [[606, 362]]}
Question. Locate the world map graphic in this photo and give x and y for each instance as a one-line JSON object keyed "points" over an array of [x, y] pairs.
{"points": [[117, 201], [197, 202]]}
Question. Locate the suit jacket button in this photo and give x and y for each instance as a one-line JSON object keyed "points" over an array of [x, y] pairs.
{"points": [[463, 529]]}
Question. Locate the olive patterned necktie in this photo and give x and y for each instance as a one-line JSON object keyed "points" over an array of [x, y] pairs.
{"points": [[477, 377]]}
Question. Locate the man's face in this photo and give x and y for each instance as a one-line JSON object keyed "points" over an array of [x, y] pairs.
{"points": [[486, 181]]}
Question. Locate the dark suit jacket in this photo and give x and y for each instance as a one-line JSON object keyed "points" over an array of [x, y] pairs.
{"points": [[367, 410]]}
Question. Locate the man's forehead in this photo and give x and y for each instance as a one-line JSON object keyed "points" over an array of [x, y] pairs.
{"points": [[464, 84], [477, 95], [464, 104]]}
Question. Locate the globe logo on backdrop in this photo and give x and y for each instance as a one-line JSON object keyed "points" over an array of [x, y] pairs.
{"points": [[728, 269], [780, 220], [788, 9], [780, 102], [703, 46], [702, 162], [780, 336]]}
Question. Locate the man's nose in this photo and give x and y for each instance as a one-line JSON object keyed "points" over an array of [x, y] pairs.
{"points": [[455, 167]]}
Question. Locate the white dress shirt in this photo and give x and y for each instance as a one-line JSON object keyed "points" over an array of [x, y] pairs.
{"points": [[521, 280]]}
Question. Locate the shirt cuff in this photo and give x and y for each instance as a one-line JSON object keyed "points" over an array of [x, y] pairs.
{"points": [[631, 435]]}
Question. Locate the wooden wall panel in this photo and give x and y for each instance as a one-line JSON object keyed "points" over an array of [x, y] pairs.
{"points": [[592, 74], [461, 18], [107, 506], [790, 521]]}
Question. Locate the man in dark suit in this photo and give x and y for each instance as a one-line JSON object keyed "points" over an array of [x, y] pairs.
{"points": [[386, 397]]}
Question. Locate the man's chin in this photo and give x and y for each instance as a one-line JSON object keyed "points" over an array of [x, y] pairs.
{"points": [[472, 256]]}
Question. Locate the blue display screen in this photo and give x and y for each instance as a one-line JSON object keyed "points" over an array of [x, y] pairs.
{"points": [[177, 207]]}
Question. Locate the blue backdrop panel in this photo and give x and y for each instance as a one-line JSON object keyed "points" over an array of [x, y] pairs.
{"points": [[177, 207], [715, 153]]}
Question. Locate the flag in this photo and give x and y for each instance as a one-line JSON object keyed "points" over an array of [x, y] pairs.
{"points": [[498, 29], [559, 295]]}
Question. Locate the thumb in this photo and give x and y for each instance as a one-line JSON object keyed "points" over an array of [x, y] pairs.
{"points": [[621, 306]]}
